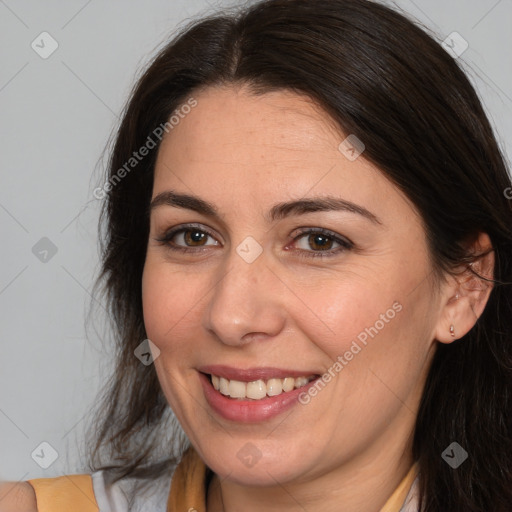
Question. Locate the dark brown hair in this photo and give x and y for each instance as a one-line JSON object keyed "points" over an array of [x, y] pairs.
{"points": [[382, 78]]}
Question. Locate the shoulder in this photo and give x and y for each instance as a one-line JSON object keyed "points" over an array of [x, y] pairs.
{"points": [[59, 493], [17, 497], [87, 493]]}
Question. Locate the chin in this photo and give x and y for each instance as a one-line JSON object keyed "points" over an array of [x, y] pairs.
{"points": [[254, 463]]}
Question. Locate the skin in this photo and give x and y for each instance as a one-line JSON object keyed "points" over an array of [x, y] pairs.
{"points": [[17, 497], [351, 445]]}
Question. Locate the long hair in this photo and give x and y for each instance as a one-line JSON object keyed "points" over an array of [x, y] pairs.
{"points": [[385, 80]]}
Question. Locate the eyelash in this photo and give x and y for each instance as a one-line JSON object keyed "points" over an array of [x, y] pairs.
{"points": [[344, 244]]}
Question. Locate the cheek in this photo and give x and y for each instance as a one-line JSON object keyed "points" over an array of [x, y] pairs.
{"points": [[339, 311], [168, 301], [173, 304], [153, 302], [170, 309], [367, 329]]}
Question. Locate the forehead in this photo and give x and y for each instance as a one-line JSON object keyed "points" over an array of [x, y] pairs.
{"points": [[237, 123], [263, 148]]}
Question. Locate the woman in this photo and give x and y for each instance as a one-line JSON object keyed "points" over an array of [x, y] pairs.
{"points": [[306, 215]]}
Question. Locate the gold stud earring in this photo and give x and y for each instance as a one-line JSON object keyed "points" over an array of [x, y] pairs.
{"points": [[452, 331]]}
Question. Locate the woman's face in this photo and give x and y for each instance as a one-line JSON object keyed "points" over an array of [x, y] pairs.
{"points": [[288, 259]]}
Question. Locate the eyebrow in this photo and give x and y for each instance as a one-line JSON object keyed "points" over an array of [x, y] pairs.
{"points": [[277, 212]]}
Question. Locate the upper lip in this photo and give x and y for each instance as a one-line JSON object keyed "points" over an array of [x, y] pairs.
{"points": [[253, 374]]}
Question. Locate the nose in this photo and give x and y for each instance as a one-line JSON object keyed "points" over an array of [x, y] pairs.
{"points": [[245, 303]]}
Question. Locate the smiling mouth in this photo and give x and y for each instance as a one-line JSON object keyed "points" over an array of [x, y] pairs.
{"points": [[258, 389]]}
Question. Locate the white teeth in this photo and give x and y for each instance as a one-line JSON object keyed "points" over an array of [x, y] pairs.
{"points": [[237, 389], [301, 381], [224, 386], [288, 384], [258, 389], [274, 387]]}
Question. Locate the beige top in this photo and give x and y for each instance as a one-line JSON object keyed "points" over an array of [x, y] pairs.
{"points": [[83, 493]]}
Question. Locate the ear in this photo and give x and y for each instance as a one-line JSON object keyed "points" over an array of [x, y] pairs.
{"points": [[466, 293]]}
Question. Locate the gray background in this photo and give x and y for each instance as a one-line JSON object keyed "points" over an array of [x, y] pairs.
{"points": [[56, 116]]}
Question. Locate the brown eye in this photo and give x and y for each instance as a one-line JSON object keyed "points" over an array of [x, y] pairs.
{"points": [[317, 242], [195, 237], [185, 238], [320, 242]]}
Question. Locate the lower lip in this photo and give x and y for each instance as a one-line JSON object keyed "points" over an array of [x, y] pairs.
{"points": [[250, 411]]}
